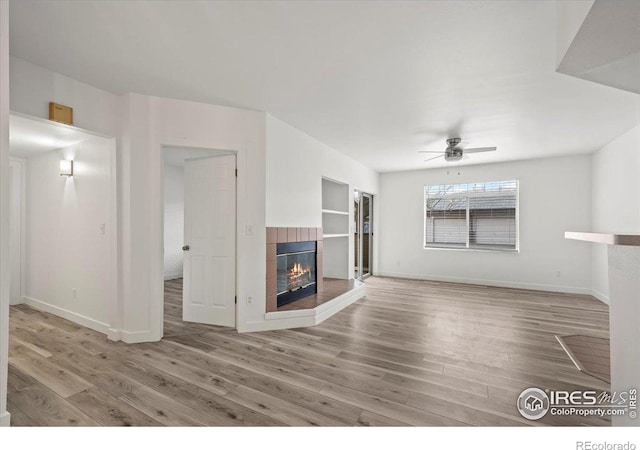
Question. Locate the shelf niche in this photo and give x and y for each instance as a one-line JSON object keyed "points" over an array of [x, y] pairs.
{"points": [[335, 226]]}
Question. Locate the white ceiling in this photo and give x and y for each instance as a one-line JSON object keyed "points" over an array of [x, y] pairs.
{"points": [[31, 136], [376, 80]]}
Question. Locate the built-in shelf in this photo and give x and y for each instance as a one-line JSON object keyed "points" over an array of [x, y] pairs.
{"points": [[331, 211], [335, 228]]}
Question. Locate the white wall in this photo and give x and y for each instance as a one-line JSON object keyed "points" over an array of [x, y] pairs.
{"points": [[5, 270], [173, 221], [616, 199], [68, 255], [555, 196], [33, 87], [143, 124], [148, 124], [296, 163]]}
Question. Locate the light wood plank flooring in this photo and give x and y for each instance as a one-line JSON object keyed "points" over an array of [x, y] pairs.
{"points": [[409, 353]]}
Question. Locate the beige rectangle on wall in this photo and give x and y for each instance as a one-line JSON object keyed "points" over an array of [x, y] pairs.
{"points": [[60, 113]]}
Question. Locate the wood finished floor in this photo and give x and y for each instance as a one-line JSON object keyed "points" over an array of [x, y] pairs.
{"points": [[592, 355], [409, 353]]}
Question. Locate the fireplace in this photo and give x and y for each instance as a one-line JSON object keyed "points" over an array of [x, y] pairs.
{"points": [[296, 271], [294, 265]]}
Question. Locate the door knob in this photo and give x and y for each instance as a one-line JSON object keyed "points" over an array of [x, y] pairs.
{"points": [[185, 248]]}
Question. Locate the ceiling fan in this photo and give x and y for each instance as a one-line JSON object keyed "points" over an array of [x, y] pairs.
{"points": [[456, 149]]}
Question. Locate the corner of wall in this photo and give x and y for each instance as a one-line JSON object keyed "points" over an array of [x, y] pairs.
{"points": [[569, 18], [137, 337], [4, 209], [600, 296], [613, 171], [5, 419]]}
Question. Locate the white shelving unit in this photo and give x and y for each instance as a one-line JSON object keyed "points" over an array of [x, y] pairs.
{"points": [[335, 228]]}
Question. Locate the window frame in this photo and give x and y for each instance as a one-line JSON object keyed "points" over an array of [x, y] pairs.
{"points": [[467, 248]]}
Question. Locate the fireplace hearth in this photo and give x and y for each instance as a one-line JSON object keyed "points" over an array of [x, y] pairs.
{"points": [[296, 271], [294, 265]]}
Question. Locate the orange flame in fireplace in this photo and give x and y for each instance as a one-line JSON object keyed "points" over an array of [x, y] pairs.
{"points": [[298, 274], [297, 270]]}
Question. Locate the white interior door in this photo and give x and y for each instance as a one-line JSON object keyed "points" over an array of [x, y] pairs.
{"points": [[210, 241]]}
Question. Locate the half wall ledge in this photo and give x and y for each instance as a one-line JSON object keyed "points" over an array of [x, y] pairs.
{"points": [[623, 252], [605, 238]]}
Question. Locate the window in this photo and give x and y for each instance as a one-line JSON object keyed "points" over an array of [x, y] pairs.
{"points": [[472, 215]]}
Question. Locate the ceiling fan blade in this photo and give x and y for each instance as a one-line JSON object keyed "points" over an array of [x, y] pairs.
{"points": [[428, 151], [480, 149], [435, 157]]}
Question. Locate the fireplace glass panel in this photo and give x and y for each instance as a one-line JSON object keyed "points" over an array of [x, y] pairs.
{"points": [[296, 271]]}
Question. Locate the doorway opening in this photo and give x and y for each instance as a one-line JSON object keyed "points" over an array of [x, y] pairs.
{"points": [[63, 228], [363, 234], [199, 239]]}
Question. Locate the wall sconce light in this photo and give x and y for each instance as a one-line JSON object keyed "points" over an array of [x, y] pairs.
{"points": [[66, 168]]}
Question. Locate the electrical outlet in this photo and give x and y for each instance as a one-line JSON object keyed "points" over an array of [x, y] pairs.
{"points": [[249, 230], [103, 228], [558, 274], [249, 300], [74, 292]]}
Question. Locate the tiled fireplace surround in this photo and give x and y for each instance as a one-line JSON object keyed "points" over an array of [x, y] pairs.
{"points": [[278, 235]]}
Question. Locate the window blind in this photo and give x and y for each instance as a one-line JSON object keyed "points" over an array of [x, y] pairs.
{"points": [[472, 215]]}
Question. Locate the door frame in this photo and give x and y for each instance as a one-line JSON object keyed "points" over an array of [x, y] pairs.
{"points": [[158, 308], [19, 165], [360, 227]]}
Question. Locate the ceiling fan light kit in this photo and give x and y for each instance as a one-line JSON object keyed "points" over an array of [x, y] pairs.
{"points": [[456, 149]]}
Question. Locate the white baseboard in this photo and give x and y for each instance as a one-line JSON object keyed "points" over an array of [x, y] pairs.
{"points": [[114, 334], [172, 276], [138, 337], [69, 315], [5, 419], [305, 317], [276, 324], [600, 296], [494, 283], [293, 314], [131, 337]]}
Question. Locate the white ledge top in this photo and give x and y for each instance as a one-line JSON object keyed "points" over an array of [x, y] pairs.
{"points": [[605, 238]]}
